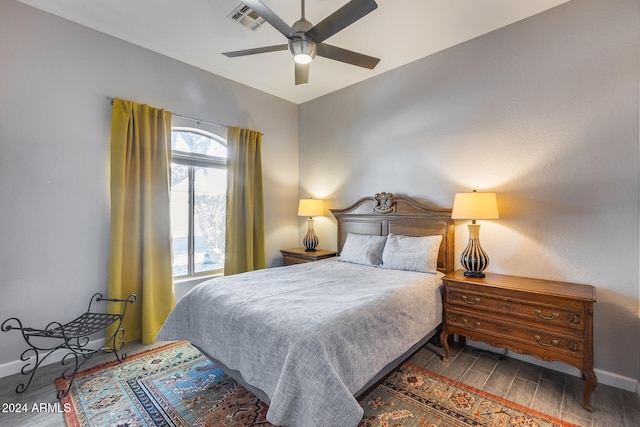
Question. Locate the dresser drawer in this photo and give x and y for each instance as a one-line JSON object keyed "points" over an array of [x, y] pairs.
{"points": [[506, 332], [547, 319], [547, 315]]}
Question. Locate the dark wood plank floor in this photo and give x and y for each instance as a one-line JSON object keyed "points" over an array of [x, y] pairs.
{"points": [[554, 393]]}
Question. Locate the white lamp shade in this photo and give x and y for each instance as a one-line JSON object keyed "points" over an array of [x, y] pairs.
{"points": [[310, 207], [475, 206]]}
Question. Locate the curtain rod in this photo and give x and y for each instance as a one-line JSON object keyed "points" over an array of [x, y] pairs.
{"points": [[198, 121]]}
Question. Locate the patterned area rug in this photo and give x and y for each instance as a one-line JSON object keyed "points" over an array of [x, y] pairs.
{"points": [[176, 385]]}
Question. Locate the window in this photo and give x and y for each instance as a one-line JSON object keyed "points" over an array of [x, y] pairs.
{"points": [[198, 202]]}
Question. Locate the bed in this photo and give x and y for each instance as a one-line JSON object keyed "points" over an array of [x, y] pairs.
{"points": [[310, 339]]}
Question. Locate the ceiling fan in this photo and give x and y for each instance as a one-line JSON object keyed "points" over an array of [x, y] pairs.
{"points": [[306, 40]]}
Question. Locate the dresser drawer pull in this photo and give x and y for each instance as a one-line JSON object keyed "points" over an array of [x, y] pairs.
{"points": [[475, 300], [553, 342], [470, 326], [540, 315]]}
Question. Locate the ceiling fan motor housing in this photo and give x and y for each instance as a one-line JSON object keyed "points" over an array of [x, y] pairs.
{"points": [[302, 49]]}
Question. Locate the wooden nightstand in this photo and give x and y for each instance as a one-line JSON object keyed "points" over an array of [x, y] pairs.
{"points": [[299, 256], [546, 319]]}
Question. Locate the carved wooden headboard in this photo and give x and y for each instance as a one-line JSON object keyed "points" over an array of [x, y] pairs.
{"points": [[385, 213]]}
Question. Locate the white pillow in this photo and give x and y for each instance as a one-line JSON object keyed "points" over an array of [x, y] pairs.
{"points": [[363, 249], [411, 253]]}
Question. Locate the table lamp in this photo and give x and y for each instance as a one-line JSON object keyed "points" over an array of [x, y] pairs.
{"points": [[474, 206], [310, 208]]}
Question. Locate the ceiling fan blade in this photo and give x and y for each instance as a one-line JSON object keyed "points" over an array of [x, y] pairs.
{"points": [[340, 19], [255, 51], [273, 19], [302, 73], [348, 56]]}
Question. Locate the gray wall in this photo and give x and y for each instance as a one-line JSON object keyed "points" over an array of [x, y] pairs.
{"points": [[54, 156], [543, 112]]}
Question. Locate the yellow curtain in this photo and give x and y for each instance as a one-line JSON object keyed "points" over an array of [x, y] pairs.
{"points": [[140, 260], [244, 237]]}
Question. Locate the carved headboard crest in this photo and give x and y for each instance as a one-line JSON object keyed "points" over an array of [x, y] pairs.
{"points": [[384, 203]]}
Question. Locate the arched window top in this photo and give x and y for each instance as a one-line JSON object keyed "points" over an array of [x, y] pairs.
{"points": [[197, 141]]}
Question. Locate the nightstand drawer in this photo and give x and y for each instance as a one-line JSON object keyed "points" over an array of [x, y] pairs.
{"points": [[548, 315], [290, 260], [301, 256], [505, 333]]}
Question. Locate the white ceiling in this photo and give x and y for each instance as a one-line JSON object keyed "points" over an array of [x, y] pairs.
{"points": [[197, 31]]}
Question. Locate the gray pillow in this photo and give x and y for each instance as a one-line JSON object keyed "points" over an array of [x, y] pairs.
{"points": [[363, 249], [411, 253]]}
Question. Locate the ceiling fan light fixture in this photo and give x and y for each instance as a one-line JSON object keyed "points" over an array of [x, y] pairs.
{"points": [[302, 50], [303, 58]]}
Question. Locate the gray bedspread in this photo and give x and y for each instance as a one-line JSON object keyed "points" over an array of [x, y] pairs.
{"points": [[309, 335]]}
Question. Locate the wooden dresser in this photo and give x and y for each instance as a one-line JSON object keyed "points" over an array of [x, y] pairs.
{"points": [[299, 255], [546, 319]]}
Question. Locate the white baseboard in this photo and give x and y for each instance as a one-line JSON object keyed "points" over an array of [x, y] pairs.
{"points": [[604, 377], [15, 367]]}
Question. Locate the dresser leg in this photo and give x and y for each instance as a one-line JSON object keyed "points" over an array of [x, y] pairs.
{"points": [[591, 381], [445, 344]]}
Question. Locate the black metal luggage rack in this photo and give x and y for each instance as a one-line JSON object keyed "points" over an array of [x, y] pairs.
{"points": [[73, 336]]}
